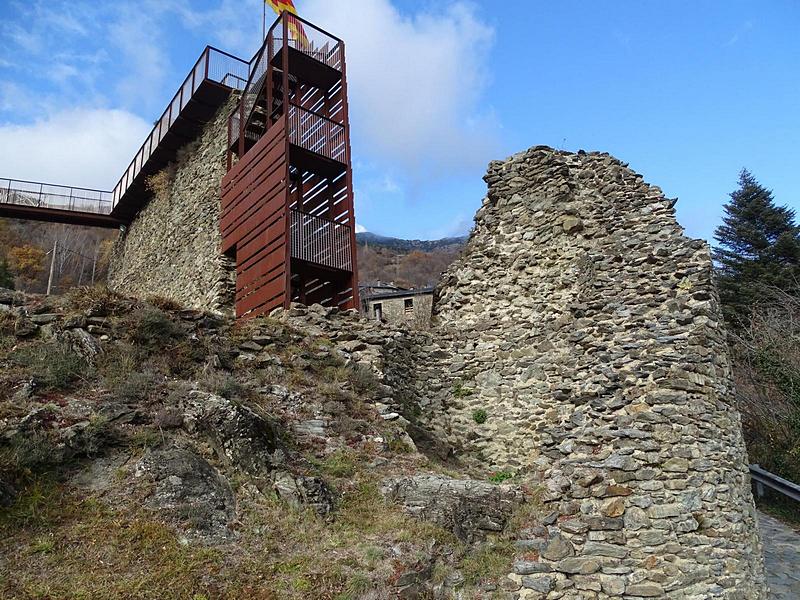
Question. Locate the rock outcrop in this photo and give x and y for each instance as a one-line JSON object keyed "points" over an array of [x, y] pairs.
{"points": [[188, 488], [468, 508]]}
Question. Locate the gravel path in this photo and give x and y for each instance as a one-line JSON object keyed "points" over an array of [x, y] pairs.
{"points": [[781, 558]]}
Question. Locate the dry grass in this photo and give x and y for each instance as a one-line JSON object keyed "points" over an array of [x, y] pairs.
{"points": [[64, 544], [160, 183], [97, 300]]}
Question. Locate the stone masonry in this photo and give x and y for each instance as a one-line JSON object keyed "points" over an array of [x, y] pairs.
{"points": [[586, 328], [172, 248], [577, 343]]}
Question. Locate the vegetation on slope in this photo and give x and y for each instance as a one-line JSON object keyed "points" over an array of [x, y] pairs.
{"points": [[79, 414]]}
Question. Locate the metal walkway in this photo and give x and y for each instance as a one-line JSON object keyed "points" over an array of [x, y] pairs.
{"points": [[204, 90]]}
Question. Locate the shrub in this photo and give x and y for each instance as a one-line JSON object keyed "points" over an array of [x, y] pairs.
{"points": [[159, 183], [53, 365], [223, 384], [153, 328], [766, 353], [136, 387], [24, 455], [98, 300], [363, 381], [479, 415], [500, 476]]}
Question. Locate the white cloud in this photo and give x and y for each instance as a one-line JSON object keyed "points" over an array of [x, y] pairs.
{"points": [[80, 147], [414, 83], [360, 228], [144, 59]]}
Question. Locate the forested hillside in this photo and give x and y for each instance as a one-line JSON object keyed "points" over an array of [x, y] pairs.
{"points": [[26, 254], [407, 263]]}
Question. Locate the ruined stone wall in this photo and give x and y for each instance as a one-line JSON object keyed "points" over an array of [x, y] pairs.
{"points": [[172, 248], [586, 328]]}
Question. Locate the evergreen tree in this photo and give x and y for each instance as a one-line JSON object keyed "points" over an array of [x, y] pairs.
{"points": [[758, 249]]}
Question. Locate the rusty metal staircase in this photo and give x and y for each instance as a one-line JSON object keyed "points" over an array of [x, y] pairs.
{"points": [[287, 199]]}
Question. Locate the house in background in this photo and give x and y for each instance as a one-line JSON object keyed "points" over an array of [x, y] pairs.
{"points": [[397, 305]]}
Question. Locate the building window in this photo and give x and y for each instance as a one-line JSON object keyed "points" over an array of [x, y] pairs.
{"points": [[377, 310], [408, 305]]}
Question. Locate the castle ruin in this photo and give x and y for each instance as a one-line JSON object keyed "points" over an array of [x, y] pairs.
{"points": [[580, 323]]}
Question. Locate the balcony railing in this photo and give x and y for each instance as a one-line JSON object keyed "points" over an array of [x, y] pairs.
{"points": [[302, 37], [320, 241], [317, 133], [46, 195], [311, 40], [213, 65]]}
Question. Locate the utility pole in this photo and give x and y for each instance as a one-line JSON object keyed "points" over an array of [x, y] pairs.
{"points": [[52, 266], [94, 262]]}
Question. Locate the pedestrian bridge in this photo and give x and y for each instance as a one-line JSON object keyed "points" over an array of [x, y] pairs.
{"points": [[205, 89]]}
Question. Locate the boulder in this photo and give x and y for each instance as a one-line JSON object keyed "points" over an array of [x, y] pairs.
{"points": [[301, 491], [470, 509], [427, 443], [188, 489], [241, 437], [81, 342]]}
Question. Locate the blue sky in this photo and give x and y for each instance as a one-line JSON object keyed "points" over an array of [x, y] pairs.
{"points": [[687, 92]]}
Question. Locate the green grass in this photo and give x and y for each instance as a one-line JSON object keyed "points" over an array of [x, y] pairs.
{"points": [[479, 415], [500, 476]]}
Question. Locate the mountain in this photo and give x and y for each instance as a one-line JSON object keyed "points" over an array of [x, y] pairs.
{"points": [[373, 239], [407, 263]]}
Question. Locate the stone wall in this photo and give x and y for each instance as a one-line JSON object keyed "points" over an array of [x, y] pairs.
{"points": [[585, 329], [172, 248]]}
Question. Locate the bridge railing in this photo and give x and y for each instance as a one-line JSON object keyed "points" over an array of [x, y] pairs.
{"points": [[47, 195], [762, 477]]}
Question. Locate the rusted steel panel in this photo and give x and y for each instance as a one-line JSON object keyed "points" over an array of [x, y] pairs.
{"points": [[253, 222], [254, 198], [264, 299], [261, 240]]}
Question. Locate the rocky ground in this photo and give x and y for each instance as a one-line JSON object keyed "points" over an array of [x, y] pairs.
{"points": [[153, 452]]}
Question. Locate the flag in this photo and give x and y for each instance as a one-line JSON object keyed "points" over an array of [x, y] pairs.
{"points": [[296, 29]]}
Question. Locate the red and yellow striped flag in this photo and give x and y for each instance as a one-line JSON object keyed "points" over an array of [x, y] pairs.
{"points": [[295, 27]]}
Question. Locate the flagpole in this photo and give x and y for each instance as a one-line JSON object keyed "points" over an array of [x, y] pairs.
{"points": [[263, 20]]}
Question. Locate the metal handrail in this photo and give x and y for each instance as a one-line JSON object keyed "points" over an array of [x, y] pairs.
{"points": [[177, 104], [57, 197], [258, 71], [762, 478], [319, 240], [316, 132]]}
